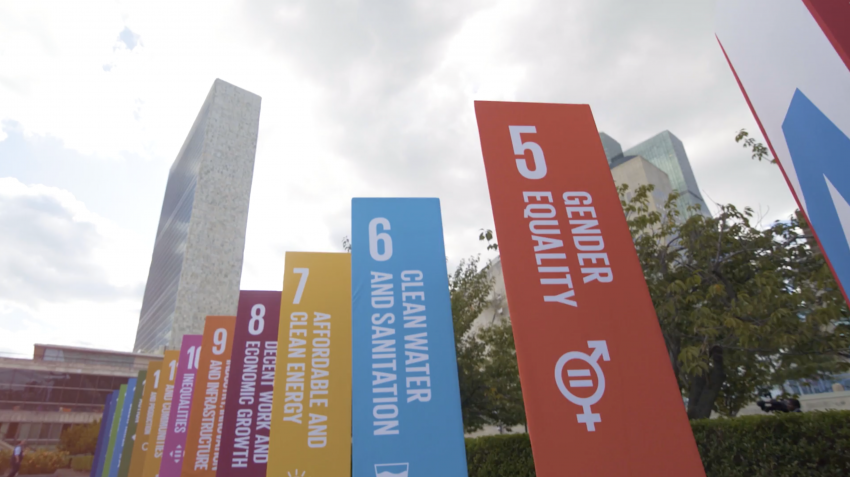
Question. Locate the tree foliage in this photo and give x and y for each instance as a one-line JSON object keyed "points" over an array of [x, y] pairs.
{"points": [[489, 236], [760, 152], [487, 370], [502, 374], [741, 308]]}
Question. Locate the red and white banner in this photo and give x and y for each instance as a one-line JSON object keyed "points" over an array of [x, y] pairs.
{"points": [[600, 395], [793, 66]]}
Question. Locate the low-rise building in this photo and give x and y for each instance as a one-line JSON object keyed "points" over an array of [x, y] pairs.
{"points": [[59, 387]]}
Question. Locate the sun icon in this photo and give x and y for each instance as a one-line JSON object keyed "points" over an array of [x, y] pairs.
{"points": [[296, 474]]}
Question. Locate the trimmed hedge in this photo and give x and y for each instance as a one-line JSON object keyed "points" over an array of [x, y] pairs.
{"points": [[506, 455], [815, 444], [82, 463]]}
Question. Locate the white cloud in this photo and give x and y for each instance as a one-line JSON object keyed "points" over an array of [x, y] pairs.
{"points": [[366, 99], [65, 272]]}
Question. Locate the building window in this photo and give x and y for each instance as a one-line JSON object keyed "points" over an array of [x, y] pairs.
{"points": [[26, 390]]}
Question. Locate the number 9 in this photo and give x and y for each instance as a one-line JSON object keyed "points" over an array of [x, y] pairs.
{"points": [[220, 341], [375, 237]]}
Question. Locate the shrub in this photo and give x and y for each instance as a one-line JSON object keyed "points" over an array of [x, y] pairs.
{"points": [[82, 463], [80, 438], [506, 455], [36, 461], [799, 444], [43, 462], [5, 460], [790, 445]]}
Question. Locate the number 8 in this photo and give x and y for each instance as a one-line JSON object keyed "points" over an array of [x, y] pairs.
{"points": [[384, 237], [256, 325]]}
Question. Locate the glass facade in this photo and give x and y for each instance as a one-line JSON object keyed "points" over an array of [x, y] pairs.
{"points": [[36, 433], [160, 297], [28, 390], [61, 386], [819, 385], [30, 393], [667, 152], [60, 355], [611, 146]]}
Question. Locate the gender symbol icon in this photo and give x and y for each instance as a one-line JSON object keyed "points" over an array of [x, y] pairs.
{"points": [[600, 349]]}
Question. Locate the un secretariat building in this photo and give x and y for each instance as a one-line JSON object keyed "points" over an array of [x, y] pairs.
{"points": [[197, 258]]}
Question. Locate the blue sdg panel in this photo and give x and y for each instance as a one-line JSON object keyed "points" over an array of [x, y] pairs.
{"points": [[406, 418]]}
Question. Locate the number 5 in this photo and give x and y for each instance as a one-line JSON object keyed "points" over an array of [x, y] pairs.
{"points": [[520, 147], [375, 237]]}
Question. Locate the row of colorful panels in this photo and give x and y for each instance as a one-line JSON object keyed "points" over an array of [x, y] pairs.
{"points": [[351, 370], [292, 386]]}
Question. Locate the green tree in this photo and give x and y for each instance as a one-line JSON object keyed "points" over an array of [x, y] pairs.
{"points": [[469, 289], [741, 308], [762, 153], [502, 375], [486, 358]]}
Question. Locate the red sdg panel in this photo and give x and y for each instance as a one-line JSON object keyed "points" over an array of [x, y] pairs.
{"points": [[600, 395], [833, 16]]}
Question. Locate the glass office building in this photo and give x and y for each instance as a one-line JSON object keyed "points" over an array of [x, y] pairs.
{"points": [[61, 386], [666, 152], [196, 265], [160, 299], [611, 146]]}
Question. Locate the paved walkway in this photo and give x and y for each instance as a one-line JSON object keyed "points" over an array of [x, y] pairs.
{"points": [[61, 473]]}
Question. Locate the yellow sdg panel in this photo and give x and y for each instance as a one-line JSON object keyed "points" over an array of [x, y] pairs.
{"points": [[311, 418], [161, 411]]}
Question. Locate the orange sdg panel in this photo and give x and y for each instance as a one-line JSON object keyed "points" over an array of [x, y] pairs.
{"points": [[203, 437], [599, 391]]}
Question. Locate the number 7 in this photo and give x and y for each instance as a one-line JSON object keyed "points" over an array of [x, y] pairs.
{"points": [[304, 272]]}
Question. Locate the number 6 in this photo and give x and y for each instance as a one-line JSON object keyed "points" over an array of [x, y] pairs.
{"points": [[374, 237], [520, 147]]}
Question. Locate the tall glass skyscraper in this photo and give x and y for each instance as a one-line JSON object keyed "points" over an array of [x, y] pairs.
{"points": [[611, 146], [197, 258], [666, 152]]}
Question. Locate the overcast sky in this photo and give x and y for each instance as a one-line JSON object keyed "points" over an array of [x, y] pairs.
{"points": [[359, 98]]}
